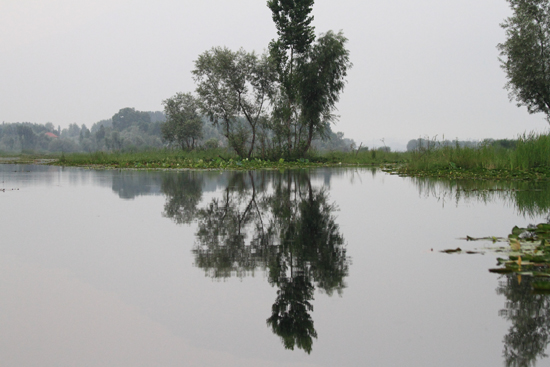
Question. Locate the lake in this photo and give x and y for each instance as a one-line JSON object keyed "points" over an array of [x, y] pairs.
{"points": [[320, 267]]}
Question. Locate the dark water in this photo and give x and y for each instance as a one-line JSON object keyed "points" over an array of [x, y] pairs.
{"points": [[296, 268]]}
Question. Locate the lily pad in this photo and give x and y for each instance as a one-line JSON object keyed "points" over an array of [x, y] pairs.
{"points": [[450, 251]]}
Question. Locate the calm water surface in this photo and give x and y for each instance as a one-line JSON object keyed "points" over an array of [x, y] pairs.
{"points": [[301, 268]]}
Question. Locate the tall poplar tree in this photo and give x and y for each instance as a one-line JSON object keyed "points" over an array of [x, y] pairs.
{"points": [[311, 75]]}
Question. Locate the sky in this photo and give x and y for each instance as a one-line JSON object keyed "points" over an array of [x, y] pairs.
{"points": [[425, 68]]}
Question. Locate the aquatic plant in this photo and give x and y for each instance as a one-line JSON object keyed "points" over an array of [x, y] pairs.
{"points": [[219, 159], [528, 255], [528, 160]]}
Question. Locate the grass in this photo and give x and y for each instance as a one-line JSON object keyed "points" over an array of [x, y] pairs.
{"points": [[529, 160], [220, 159]]}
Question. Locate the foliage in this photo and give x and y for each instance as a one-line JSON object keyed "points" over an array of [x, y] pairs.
{"points": [[221, 159], [127, 117], [528, 160], [276, 104], [526, 286], [526, 54], [311, 76], [426, 143], [234, 88], [183, 124], [292, 19]]}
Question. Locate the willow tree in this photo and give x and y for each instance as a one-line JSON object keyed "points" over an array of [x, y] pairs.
{"points": [[311, 75], [183, 124], [234, 90], [526, 54]]}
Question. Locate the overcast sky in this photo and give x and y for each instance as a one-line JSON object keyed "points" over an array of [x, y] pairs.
{"points": [[421, 68]]}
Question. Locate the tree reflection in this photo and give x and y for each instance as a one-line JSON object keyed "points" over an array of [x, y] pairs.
{"points": [[529, 313], [290, 318], [277, 222], [183, 193]]}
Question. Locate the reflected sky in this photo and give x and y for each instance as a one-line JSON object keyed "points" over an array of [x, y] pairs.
{"points": [[202, 268]]}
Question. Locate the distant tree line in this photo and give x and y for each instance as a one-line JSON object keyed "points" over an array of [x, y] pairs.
{"points": [[428, 144], [128, 129]]}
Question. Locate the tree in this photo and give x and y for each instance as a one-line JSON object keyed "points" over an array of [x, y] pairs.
{"points": [[127, 117], [27, 137], [234, 90], [84, 133], [526, 54], [183, 124], [72, 131], [323, 79], [292, 21], [114, 141], [311, 75], [100, 135]]}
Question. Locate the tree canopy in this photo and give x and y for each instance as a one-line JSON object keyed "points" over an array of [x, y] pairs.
{"points": [[311, 76], [526, 54], [183, 124], [275, 104], [234, 90], [129, 116]]}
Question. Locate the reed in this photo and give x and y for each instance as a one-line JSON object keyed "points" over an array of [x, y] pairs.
{"points": [[532, 151]]}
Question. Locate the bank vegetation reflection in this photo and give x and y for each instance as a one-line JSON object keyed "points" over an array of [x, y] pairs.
{"points": [[530, 199], [527, 311], [276, 222]]}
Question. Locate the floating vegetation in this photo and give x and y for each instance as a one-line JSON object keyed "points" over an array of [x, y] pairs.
{"points": [[528, 255], [493, 174], [492, 238], [220, 159], [28, 159], [459, 250]]}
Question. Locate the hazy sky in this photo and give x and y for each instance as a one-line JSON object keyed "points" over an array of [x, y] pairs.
{"points": [[421, 68]]}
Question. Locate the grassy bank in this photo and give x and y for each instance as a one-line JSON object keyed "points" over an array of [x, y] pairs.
{"points": [[221, 159], [529, 160]]}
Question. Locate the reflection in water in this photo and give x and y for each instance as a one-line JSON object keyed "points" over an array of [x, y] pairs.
{"points": [[529, 314], [183, 193], [530, 198], [277, 222]]}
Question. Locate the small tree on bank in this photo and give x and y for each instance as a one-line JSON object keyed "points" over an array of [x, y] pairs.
{"points": [[526, 54], [234, 90], [183, 124]]}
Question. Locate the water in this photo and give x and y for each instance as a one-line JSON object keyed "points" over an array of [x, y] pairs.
{"points": [[109, 268]]}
